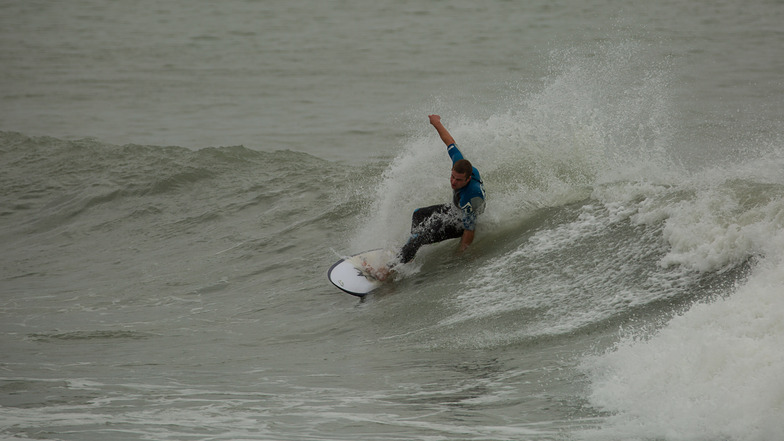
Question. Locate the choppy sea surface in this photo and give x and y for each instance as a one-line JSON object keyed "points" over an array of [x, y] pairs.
{"points": [[178, 176]]}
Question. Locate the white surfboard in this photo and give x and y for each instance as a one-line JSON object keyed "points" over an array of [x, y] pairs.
{"points": [[350, 274]]}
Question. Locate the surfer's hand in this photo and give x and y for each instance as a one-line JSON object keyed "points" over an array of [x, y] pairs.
{"points": [[466, 240], [434, 119]]}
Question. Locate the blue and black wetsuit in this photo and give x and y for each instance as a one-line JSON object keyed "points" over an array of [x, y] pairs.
{"points": [[446, 221]]}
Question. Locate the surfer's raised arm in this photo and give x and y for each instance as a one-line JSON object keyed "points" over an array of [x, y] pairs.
{"points": [[435, 120]]}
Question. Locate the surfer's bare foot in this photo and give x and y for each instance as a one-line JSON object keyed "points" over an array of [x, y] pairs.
{"points": [[382, 273]]}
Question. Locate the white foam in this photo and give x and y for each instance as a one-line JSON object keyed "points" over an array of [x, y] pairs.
{"points": [[721, 216], [559, 289], [714, 372]]}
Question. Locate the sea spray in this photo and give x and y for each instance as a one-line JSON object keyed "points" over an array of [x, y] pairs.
{"points": [[596, 119]]}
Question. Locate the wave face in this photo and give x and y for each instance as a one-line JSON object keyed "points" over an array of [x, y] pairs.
{"points": [[101, 212], [597, 221]]}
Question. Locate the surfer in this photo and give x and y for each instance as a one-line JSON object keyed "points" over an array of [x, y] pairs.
{"points": [[440, 222]]}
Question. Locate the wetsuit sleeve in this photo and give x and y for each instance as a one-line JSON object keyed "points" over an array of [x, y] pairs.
{"points": [[470, 213], [454, 153]]}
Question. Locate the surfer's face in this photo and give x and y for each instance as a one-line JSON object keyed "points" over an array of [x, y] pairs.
{"points": [[459, 180]]}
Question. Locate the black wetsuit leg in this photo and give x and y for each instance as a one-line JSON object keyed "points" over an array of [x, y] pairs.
{"points": [[430, 225]]}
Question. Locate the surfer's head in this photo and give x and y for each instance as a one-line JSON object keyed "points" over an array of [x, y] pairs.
{"points": [[461, 174]]}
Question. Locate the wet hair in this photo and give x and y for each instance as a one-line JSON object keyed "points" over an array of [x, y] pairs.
{"points": [[464, 167]]}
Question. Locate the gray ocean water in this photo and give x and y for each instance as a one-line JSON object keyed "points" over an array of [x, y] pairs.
{"points": [[178, 176]]}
